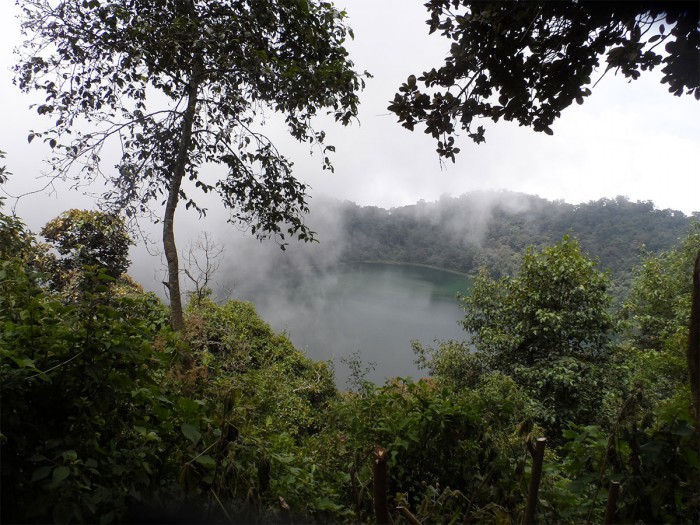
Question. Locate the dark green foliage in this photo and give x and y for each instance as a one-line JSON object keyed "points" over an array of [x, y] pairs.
{"points": [[3, 170], [625, 412], [257, 401], [15, 240], [568, 390], [108, 415], [555, 307], [452, 454], [549, 329], [662, 468], [241, 350], [91, 238], [452, 362], [77, 385], [528, 61], [659, 305], [651, 451]]}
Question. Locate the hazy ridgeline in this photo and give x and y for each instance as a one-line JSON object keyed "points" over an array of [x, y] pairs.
{"points": [[331, 307], [493, 228], [462, 234]]}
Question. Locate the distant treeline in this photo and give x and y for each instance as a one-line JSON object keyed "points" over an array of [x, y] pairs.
{"points": [[493, 229]]}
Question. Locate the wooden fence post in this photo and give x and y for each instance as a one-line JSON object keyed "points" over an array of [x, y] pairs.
{"points": [[410, 518], [611, 507], [537, 453], [381, 509]]}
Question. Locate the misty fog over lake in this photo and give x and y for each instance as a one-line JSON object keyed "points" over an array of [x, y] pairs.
{"points": [[331, 309], [373, 309]]}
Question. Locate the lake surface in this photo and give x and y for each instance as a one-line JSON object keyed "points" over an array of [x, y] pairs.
{"points": [[372, 309]]}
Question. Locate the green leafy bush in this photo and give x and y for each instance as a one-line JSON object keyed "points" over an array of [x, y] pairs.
{"points": [[458, 447], [659, 305], [79, 392]]}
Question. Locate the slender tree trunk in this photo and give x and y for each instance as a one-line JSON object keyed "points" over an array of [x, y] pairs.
{"points": [[179, 170], [537, 453], [611, 507]]}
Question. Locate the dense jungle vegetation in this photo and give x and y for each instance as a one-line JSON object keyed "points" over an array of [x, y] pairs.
{"points": [[116, 408], [108, 415]]}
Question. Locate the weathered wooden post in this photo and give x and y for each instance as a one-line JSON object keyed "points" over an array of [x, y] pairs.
{"points": [[611, 507], [381, 508], [409, 517], [537, 453]]}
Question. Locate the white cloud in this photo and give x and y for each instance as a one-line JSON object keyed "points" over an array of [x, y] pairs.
{"points": [[629, 139]]}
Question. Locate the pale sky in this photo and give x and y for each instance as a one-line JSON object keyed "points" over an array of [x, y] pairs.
{"points": [[632, 139]]}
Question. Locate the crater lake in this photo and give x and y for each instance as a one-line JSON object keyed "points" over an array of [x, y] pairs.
{"points": [[370, 310]]}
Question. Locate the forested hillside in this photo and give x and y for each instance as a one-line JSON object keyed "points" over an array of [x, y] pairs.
{"points": [[493, 229], [573, 397], [108, 415]]}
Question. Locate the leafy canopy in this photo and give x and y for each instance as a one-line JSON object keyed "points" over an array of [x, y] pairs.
{"points": [[548, 329], [102, 420], [528, 61], [90, 237], [142, 72], [658, 307], [556, 307]]}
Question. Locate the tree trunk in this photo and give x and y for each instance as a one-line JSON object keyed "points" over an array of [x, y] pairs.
{"points": [[611, 507], [381, 508], [179, 170], [537, 453]]}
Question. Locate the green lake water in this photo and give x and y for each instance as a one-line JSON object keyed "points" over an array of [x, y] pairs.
{"points": [[374, 309]]}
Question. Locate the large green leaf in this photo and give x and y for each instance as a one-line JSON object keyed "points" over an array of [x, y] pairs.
{"points": [[191, 432], [60, 473], [206, 461], [41, 473]]}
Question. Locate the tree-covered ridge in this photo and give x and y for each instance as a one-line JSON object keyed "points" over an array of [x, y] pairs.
{"points": [[493, 229]]}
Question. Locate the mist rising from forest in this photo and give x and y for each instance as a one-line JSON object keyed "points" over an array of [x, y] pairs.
{"points": [[250, 267], [263, 273], [293, 289], [260, 271], [467, 217], [488, 228]]}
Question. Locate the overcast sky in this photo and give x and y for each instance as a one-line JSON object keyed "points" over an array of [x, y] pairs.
{"points": [[632, 139]]}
